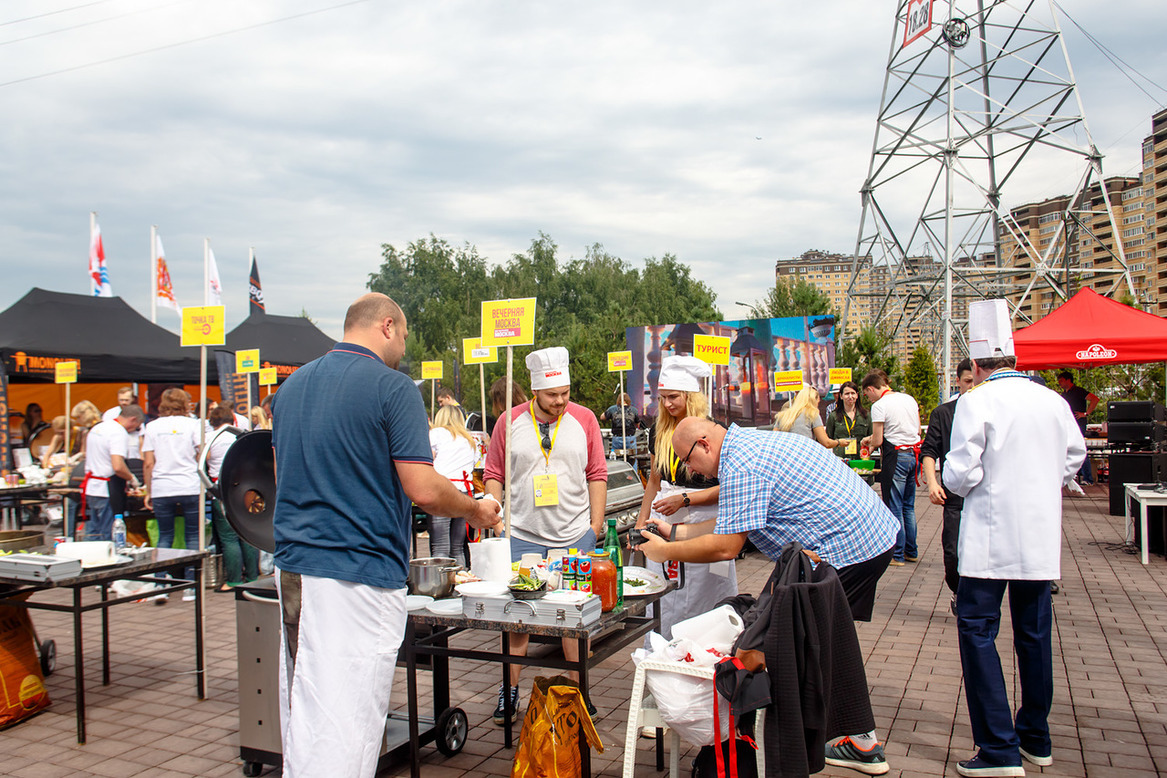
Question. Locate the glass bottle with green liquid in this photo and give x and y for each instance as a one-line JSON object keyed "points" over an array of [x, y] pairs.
{"points": [[612, 547]]}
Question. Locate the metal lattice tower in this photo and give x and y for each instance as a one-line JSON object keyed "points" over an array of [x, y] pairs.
{"points": [[977, 95]]}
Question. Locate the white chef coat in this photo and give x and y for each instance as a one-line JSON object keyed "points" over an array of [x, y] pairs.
{"points": [[1015, 444], [106, 439]]}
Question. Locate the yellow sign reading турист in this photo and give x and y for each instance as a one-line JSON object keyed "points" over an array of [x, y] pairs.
{"points": [[474, 353], [619, 361], [508, 322], [247, 361], [431, 370], [204, 325], [712, 349], [65, 372]]}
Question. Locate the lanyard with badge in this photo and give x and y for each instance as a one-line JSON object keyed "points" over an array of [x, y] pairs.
{"points": [[546, 485]]}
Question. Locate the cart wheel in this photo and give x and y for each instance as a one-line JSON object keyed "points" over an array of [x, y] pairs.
{"points": [[451, 729], [252, 769], [48, 657]]}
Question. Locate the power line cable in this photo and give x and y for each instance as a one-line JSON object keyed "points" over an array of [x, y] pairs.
{"points": [[177, 44], [54, 13], [1114, 58], [93, 22]]}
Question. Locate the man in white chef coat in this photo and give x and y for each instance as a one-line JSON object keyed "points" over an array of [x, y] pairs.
{"points": [[1015, 446]]}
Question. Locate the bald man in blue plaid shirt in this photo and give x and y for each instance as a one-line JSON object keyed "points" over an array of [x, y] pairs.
{"points": [[777, 487]]}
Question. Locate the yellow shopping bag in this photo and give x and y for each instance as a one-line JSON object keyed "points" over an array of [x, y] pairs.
{"points": [[549, 742]]}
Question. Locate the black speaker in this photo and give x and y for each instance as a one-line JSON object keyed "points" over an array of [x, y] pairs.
{"points": [[1133, 468], [247, 487], [1134, 410], [1141, 434]]}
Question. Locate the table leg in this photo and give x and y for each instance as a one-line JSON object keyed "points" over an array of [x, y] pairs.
{"points": [[1144, 544], [105, 636], [508, 714], [411, 691], [1128, 524], [200, 670], [78, 666], [585, 749]]}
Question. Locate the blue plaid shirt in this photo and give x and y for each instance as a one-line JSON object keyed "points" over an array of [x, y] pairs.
{"points": [[780, 487]]}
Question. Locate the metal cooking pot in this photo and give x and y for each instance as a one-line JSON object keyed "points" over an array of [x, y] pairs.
{"points": [[433, 576]]}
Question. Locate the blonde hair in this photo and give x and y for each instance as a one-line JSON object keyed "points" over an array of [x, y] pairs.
{"points": [[86, 413], [450, 418], [806, 403], [259, 419], [695, 405]]}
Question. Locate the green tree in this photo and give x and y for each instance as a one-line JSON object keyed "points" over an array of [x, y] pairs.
{"points": [[920, 381], [793, 297], [871, 349]]}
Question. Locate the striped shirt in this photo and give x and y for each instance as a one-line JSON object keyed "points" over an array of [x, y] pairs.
{"points": [[780, 487]]}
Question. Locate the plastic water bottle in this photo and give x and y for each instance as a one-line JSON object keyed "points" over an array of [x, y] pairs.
{"points": [[118, 532]]}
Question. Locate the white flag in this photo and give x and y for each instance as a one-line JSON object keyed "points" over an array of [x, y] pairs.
{"points": [[99, 284], [214, 288], [164, 289]]}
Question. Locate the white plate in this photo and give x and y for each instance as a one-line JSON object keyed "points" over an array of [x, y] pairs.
{"points": [[119, 559], [417, 602], [449, 607], [653, 582], [566, 596], [481, 589]]}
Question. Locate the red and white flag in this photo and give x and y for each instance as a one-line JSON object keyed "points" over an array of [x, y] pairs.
{"points": [[214, 288], [99, 284], [164, 291]]}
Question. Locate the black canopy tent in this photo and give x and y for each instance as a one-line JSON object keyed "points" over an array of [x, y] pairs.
{"points": [[111, 341], [284, 342]]}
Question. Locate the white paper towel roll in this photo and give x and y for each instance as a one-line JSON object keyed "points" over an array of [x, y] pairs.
{"points": [[89, 551], [490, 559]]}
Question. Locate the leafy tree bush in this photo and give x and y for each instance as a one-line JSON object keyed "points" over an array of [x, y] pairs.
{"points": [[920, 381]]}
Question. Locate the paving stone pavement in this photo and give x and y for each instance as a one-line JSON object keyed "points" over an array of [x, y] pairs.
{"points": [[1110, 678]]}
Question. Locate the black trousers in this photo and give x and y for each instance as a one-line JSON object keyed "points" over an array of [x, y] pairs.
{"points": [[949, 535]]}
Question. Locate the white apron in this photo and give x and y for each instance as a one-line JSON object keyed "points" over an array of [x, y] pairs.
{"points": [[705, 584]]}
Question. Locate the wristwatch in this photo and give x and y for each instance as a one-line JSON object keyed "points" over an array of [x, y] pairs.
{"points": [[685, 499]]}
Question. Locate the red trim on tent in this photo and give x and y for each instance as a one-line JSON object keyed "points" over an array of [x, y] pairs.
{"points": [[1091, 330]]}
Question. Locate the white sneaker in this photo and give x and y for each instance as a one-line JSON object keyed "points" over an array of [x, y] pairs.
{"points": [[189, 595]]}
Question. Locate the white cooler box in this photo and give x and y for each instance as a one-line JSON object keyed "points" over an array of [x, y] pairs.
{"points": [[550, 611]]}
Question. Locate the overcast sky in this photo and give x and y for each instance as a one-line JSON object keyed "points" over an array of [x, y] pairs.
{"points": [[730, 134]]}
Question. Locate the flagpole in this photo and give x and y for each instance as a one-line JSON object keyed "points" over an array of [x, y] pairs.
{"points": [[92, 226], [202, 514], [507, 449], [154, 273]]}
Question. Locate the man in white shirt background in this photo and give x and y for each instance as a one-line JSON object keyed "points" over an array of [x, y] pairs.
{"points": [[105, 457], [895, 424]]}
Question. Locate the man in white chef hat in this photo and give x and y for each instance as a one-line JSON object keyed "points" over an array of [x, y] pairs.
{"points": [[1015, 445], [559, 482]]}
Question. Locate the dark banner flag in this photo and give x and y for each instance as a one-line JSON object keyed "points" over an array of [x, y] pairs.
{"points": [[255, 290], [5, 443], [233, 386]]}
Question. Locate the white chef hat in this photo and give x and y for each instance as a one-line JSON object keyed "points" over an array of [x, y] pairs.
{"points": [[990, 333], [682, 374], [548, 368]]}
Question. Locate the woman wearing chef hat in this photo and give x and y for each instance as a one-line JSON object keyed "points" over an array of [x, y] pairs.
{"points": [[679, 496]]}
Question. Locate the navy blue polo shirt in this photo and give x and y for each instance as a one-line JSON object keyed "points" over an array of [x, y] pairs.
{"points": [[339, 424]]}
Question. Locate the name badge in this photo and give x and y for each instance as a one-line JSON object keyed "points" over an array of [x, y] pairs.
{"points": [[546, 490], [852, 447]]}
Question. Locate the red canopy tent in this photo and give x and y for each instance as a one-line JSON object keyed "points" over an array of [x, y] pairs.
{"points": [[1091, 330]]}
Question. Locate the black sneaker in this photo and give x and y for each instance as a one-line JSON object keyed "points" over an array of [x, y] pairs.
{"points": [[977, 767], [592, 712], [500, 716], [846, 754]]}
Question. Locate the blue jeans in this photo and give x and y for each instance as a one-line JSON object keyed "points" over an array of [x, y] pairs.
{"points": [[626, 442], [978, 620], [99, 524], [901, 501], [187, 506]]}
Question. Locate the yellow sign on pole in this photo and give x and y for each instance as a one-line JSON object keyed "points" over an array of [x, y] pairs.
{"points": [[268, 376], [247, 361], [508, 322], [787, 380], [619, 361], [474, 353], [431, 370], [204, 325], [839, 375], [713, 349], [66, 372]]}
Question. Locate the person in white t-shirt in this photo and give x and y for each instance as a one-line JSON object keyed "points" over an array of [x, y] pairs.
{"points": [[170, 452], [454, 451], [895, 424], [126, 397], [105, 457]]}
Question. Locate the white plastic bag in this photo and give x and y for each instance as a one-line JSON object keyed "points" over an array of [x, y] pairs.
{"points": [[685, 702]]}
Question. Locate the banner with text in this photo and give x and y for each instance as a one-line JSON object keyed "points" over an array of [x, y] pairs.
{"points": [[474, 353], [233, 385], [839, 375], [713, 349], [431, 371], [619, 361], [787, 380], [66, 372], [508, 322], [204, 325]]}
